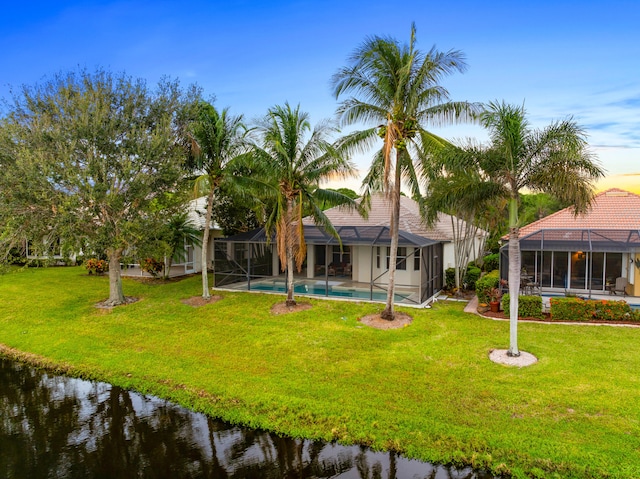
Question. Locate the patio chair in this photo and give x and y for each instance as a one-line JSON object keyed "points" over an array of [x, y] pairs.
{"points": [[620, 286], [332, 270]]}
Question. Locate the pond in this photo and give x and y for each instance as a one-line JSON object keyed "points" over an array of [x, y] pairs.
{"points": [[59, 427]]}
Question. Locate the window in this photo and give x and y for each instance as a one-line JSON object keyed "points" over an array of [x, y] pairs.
{"points": [[401, 259], [240, 252], [378, 257], [416, 259]]}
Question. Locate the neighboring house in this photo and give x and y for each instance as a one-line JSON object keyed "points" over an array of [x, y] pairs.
{"points": [[49, 250], [358, 267], [191, 261], [197, 212], [586, 252]]}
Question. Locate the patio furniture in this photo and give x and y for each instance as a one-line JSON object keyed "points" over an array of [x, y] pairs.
{"points": [[528, 285], [619, 287]]}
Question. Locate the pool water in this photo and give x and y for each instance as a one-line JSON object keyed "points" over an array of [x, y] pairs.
{"points": [[319, 289]]}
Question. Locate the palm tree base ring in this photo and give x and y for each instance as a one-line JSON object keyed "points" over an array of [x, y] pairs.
{"points": [[501, 356]]}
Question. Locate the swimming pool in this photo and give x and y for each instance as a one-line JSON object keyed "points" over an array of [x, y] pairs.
{"points": [[318, 288]]}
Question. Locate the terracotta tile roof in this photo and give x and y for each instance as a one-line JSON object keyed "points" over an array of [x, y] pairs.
{"points": [[380, 214], [613, 209]]}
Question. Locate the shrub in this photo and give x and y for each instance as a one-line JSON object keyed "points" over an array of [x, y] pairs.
{"points": [[97, 266], [572, 309], [151, 266], [491, 262], [528, 306], [470, 278], [450, 278], [485, 284], [578, 309], [612, 310]]}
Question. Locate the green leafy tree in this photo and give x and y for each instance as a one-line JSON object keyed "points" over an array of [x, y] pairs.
{"points": [[395, 90], [219, 139], [290, 161], [467, 214], [555, 160], [534, 207], [236, 213], [94, 158]]}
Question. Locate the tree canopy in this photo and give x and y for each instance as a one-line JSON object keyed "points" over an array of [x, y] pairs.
{"points": [[218, 139], [94, 159], [395, 91], [290, 160], [555, 160]]}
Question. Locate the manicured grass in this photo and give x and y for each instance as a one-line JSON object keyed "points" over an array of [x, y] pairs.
{"points": [[427, 390]]}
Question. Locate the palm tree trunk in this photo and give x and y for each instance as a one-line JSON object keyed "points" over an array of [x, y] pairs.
{"points": [[205, 245], [514, 276], [290, 256], [116, 295], [456, 254], [389, 313]]}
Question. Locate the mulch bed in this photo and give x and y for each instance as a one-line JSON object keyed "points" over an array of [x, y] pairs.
{"points": [[400, 320], [197, 301], [106, 304]]}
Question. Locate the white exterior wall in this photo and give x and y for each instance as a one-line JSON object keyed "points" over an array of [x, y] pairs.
{"points": [[364, 258], [197, 251], [448, 256]]}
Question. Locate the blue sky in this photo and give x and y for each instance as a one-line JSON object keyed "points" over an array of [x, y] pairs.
{"points": [[559, 58]]}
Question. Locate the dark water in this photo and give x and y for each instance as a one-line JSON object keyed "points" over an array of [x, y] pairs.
{"points": [[59, 427]]}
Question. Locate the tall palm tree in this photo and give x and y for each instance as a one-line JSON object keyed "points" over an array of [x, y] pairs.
{"points": [[554, 160], [290, 163], [395, 89], [218, 139]]}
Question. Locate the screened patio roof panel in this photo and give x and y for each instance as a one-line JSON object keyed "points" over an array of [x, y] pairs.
{"points": [[615, 240], [350, 235]]}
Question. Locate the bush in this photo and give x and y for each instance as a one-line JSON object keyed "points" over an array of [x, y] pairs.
{"points": [[578, 309], [97, 266], [485, 284], [491, 262], [470, 278], [612, 310], [450, 278], [528, 306], [572, 309], [152, 266]]}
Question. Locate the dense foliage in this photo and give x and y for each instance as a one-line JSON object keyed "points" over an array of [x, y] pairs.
{"points": [[92, 161], [485, 284], [578, 309], [528, 306]]}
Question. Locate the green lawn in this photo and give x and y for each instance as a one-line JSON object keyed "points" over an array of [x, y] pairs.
{"points": [[427, 390]]}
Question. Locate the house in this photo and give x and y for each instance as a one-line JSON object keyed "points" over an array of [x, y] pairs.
{"points": [[190, 261], [357, 266], [587, 252]]}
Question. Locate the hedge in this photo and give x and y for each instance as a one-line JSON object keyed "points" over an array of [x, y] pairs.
{"points": [[528, 306], [578, 309]]}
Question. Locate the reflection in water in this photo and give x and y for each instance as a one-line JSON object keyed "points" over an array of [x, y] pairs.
{"points": [[58, 427]]}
